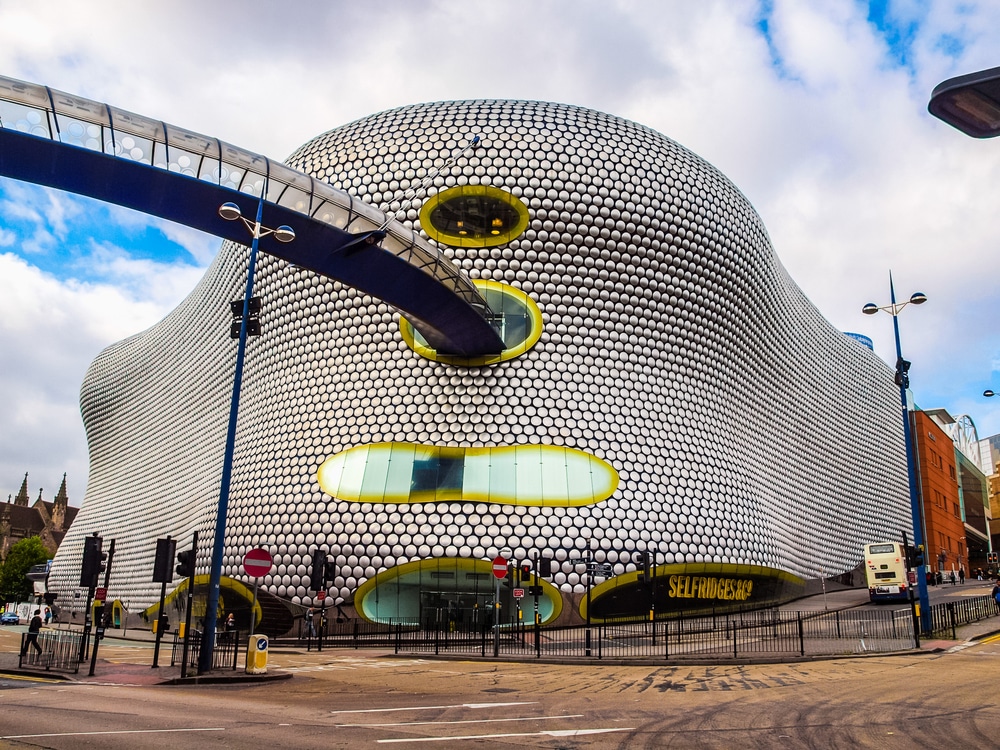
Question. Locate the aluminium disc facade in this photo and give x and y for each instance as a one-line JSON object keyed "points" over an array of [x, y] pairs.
{"points": [[745, 432]]}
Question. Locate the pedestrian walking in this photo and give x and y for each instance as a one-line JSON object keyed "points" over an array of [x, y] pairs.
{"points": [[230, 623], [953, 579], [961, 576], [31, 639], [310, 629]]}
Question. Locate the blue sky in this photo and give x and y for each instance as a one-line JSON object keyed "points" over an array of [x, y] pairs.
{"points": [[816, 110]]}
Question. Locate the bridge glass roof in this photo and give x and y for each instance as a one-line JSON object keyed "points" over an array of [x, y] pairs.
{"points": [[43, 112]]}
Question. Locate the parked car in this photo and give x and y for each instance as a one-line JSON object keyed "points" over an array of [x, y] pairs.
{"points": [[9, 618]]}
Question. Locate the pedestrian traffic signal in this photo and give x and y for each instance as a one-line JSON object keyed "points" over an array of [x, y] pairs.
{"points": [[317, 580], [525, 572], [991, 558], [185, 563], [93, 560]]}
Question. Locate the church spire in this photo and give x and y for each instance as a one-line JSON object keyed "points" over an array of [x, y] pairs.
{"points": [[22, 495], [59, 506]]}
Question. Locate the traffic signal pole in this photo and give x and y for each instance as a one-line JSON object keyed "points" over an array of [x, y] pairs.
{"points": [[99, 614], [190, 600]]}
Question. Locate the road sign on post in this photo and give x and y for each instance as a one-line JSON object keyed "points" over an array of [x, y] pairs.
{"points": [[499, 568], [257, 563]]}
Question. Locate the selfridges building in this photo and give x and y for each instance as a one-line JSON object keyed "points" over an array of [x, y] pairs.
{"points": [[671, 417]]}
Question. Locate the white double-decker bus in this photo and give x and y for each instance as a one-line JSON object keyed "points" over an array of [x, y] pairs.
{"points": [[885, 571]]}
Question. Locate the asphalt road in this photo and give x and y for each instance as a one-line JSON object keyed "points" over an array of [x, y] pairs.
{"points": [[369, 700]]}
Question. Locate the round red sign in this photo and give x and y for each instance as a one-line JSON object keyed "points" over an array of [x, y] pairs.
{"points": [[257, 563], [499, 567]]}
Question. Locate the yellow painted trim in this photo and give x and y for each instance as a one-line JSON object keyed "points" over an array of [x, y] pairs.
{"points": [[457, 240], [409, 335], [231, 584], [343, 475], [662, 571]]}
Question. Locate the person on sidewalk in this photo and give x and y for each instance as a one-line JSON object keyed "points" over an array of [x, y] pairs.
{"points": [[953, 581], [310, 628], [961, 576], [32, 638]]}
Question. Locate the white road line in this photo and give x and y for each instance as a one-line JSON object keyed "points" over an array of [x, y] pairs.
{"points": [[432, 708], [555, 733], [120, 731], [463, 721]]}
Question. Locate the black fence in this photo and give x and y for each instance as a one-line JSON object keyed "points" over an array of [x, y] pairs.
{"points": [[947, 616], [224, 655], [763, 633], [60, 651]]}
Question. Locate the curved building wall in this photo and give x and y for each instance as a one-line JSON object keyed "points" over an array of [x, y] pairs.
{"points": [[743, 427]]}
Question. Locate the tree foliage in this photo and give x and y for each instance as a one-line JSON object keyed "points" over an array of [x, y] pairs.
{"points": [[14, 587]]}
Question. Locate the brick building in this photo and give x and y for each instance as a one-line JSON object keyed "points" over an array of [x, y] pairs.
{"points": [[49, 520]]}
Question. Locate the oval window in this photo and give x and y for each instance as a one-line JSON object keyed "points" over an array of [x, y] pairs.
{"points": [[474, 216], [515, 315]]}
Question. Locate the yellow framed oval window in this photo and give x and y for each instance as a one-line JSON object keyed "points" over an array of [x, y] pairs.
{"points": [[517, 318], [474, 216]]}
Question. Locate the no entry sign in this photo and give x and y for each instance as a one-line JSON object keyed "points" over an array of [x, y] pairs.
{"points": [[499, 567], [257, 563]]}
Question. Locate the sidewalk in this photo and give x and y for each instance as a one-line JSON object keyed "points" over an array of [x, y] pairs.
{"points": [[131, 654]]}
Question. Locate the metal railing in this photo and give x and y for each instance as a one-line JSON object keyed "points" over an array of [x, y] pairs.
{"points": [[765, 633], [60, 651], [225, 655], [949, 615]]}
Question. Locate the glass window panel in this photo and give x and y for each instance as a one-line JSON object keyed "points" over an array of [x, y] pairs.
{"points": [[399, 473], [293, 198], [580, 476], [85, 134], [352, 475], [476, 482], [529, 473], [252, 183], [133, 148], [376, 471], [554, 484], [503, 476], [185, 162], [24, 119]]}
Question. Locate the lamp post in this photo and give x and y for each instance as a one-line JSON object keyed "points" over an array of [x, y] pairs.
{"points": [[231, 212], [903, 381], [970, 103]]}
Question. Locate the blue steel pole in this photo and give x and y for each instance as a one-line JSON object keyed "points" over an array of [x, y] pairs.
{"points": [[918, 531], [215, 577]]}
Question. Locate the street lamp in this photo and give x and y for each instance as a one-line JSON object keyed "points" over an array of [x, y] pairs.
{"points": [[970, 103], [231, 212], [903, 381]]}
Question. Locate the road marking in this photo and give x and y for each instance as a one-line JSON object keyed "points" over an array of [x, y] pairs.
{"points": [[25, 678], [991, 639], [553, 733], [464, 721], [120, 731], [432, 708]]}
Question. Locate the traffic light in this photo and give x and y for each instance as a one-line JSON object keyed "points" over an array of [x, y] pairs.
{"points": [[317, 580], [165, 549], [991, 558], [185, 563], [525, 572], [93, 560], [917, 556], [545, 566]]}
